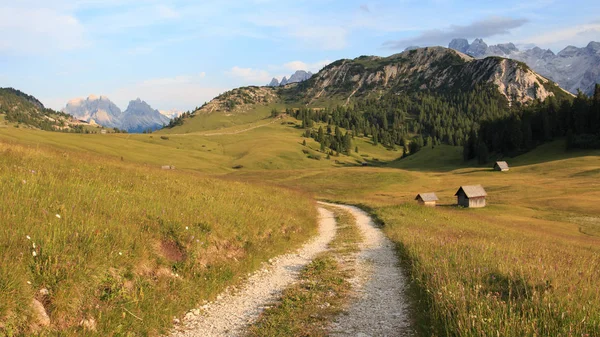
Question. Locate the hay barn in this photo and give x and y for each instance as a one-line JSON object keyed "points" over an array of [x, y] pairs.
{"points": [[501, 166], [471, 196], [427, 199]]}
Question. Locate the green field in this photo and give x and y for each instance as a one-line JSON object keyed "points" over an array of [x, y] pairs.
{"points": [[528, 264]]}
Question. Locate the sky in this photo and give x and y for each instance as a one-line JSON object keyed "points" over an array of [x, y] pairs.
{"points": [[180, 54]]}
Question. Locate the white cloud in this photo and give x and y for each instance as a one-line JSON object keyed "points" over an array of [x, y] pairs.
{"points": [[488, 27], [579, 35], [35, 30], [182, 92], [250, 75], [312, 67], [321, 37]]}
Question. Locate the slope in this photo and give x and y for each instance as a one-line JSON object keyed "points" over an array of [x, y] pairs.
{"points": [[93, 245], [22, 110]]}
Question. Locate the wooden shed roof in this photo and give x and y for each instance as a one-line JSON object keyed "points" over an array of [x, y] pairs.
{"points": [[427, 197], [502, 165], [473, 191]]}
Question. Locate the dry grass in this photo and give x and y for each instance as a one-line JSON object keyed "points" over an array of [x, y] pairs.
{"points": [[126, 245]]}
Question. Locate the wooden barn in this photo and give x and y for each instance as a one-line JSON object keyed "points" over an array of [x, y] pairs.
{"points": [[427, 199], [501, 166], [471, 196]]}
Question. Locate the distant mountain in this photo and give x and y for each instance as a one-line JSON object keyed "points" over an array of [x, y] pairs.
{"points": [[173, 113], [25, 110], [138, 117], [572, 68], [274, 83], [298, 76], [98, 109]]}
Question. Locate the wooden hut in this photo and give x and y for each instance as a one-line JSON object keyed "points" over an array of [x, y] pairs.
{"points": [[471, 196], [427, 199], [501, 166]]}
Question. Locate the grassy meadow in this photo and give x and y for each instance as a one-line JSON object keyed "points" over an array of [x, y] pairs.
{"points": [[526, 265], [125, 248]]}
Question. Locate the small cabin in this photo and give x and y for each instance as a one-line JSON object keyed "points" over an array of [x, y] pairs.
{"points": [[103, 132], [427, 199], [501, 166], [471, 196], [167, 167]]}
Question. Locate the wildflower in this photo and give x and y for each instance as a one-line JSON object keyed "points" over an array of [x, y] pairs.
{"points": [[120, 254], [58, 216], [24, 181], [34, 245], [186, 228], [28, 282], [33, 253], [28, 237]]}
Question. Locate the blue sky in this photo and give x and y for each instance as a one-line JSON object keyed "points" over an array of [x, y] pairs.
{"points": [[179, 54]]}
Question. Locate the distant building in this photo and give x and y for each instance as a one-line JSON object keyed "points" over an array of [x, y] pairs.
{"points": [[471, 196], [167, 167], [501, 166], [103, 132], [427, 199]]}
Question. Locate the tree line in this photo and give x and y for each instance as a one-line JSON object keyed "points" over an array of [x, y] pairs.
{"points": [[405, 120], [578, 120]]}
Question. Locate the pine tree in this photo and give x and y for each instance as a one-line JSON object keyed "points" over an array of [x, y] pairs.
{"points": [[356, 149]]}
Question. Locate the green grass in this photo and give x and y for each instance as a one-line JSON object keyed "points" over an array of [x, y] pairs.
{"points": [[307, 307], [114, 241], [221, 120]]}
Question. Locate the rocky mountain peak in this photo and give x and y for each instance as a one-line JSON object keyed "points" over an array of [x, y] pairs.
{"points": [[477, 48], [462, 45], [274, 83], [298, 76], [572, 68], [593, 46]]}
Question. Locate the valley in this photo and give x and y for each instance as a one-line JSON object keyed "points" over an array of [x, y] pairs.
{"points": [[176, 231]]}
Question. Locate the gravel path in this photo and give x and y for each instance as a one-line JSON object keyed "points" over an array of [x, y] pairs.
{"points": [[235, 309], [379, 308]]}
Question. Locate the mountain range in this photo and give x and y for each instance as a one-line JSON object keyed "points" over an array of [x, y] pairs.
{"points": [[298, 76], [432, 70], [138, 117], [435, 70], [572, 68]]}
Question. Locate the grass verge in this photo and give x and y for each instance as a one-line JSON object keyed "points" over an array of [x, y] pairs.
{"points": [[307, 307], [486, 276]]}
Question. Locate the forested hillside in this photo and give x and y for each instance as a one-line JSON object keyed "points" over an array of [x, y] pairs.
{"points": [[520, 131], [25, 110]]}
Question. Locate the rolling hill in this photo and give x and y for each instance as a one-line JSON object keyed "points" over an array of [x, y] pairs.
{"points": [[23, 110]]}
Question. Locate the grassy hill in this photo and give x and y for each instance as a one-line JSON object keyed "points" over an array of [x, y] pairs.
{"points": [[22, 110]]}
